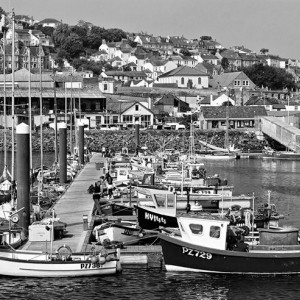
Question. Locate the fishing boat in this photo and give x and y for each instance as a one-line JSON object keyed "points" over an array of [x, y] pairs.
{"points": [[64, 263], [211, 245], [125, 232], [163, 211]]}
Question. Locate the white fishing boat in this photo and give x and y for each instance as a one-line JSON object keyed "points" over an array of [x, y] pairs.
{"points": [[63, 264]]}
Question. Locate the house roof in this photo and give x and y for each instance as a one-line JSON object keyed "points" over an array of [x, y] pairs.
{"points": [[235, 112], [257, 100], [224, 79], [276, 113], [120, 107], [230, 54], [59, 93], [126, 73], [23, 76], [66, 77], [49, 20], [278, 106], [183, 71], [208, 56]]}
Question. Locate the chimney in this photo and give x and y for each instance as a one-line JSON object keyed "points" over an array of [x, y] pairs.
{"points": [[149, 103], [211, 99]]}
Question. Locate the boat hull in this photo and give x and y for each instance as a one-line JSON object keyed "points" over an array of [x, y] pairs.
{"points": [[149, 219], [182, 256], [33, 268]]}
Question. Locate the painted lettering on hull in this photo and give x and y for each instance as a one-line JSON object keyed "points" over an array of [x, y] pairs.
{"points": [[154, 218], [90, 266], [196, 253]]}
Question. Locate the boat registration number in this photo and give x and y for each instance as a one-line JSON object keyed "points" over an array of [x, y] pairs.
{"points": [[90, 266], [196, 253]]}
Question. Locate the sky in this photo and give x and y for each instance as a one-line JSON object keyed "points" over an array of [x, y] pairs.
{"points": [[254, 24]]}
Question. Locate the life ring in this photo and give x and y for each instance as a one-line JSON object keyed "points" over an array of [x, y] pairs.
{"points": [[64, 253], [246, 230]]}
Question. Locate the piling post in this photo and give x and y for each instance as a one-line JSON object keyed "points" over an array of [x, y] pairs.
{"points": [[137, 136], [63, 153], [81, 143], [23, 176]]}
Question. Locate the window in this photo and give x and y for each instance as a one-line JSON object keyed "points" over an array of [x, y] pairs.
{"points": [[245, 82], [182, 80], [214, 231], [115, 119], [199, 80], [136, 107], [237, 82], [105, 87], [106, 119], [127, 118], [196, 228]]}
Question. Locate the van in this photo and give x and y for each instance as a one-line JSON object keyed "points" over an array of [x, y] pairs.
{"points": [[174, 126]]}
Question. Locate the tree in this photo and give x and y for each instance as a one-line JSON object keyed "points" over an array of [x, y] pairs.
{"points": [[73, 46], [225, 63], [206, 38], [60, 34], [264, 50], [271, 77], [2, 11], [185, 52]]}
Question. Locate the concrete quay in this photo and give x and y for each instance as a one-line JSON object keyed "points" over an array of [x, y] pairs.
{"points": [[71, 207]]}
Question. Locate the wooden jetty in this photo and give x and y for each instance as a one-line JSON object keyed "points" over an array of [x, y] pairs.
{"points": [[75, 207]]}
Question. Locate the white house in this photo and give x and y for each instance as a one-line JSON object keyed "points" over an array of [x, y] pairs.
{"points": [[137, 112], [216, 100], [49, 22], [158, 67], [185, 77]]}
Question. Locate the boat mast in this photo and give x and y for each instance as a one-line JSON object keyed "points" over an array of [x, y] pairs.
{"points": [[55, 119], [29, 111], [71, 116], [13, 103], [227, 125], [4, 100], [40, 187], [192, 141]]}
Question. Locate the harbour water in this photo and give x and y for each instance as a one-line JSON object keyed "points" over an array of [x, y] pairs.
{"points": [[280, 177]]}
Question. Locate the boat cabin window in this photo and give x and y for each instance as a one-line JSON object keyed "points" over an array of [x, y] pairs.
{"points": [[196, 228], [160, 200], [214, 231]]}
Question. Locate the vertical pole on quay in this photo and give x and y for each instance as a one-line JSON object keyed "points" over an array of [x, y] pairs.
{"points": [[23, 176], [137, 136], [63, 153], [81, 142]]}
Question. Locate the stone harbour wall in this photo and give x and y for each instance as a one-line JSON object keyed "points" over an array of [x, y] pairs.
{"points": [[154, 140]]}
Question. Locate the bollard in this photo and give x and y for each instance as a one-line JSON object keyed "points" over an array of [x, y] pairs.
{"points": [[85, 222]]}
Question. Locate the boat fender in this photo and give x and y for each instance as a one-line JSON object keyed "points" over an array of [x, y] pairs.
{"points": [[94, 259], [102, 260]]}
